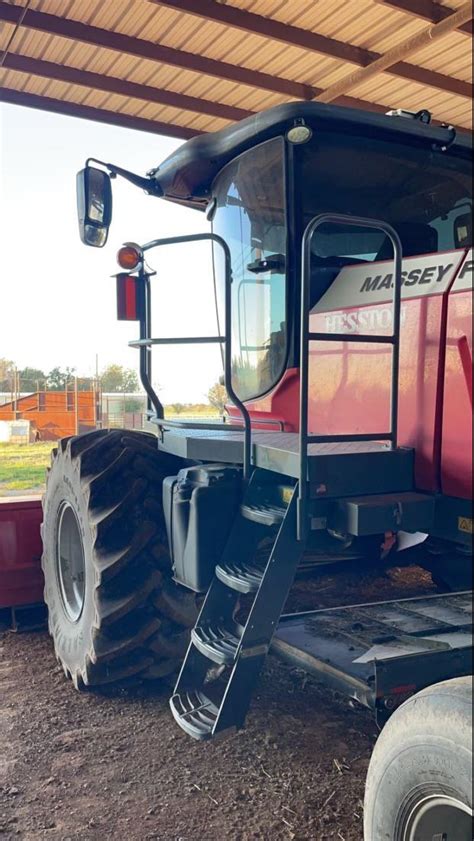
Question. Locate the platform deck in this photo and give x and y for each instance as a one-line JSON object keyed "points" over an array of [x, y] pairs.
{"points": [[342, 468], [385, 649]]}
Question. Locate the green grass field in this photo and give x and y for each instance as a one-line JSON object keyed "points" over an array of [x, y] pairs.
{"points": [[23, 467]]}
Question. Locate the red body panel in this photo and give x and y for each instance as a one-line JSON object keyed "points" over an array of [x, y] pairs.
{"points": [[21, 578], [280, 405], [456, 453], [350, 383]]}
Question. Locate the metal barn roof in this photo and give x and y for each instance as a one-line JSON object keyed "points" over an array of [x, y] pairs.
{"points": [[183, 67]]}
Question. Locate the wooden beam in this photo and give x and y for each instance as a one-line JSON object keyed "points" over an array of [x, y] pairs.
{"points": [[112, 84], [98, 115], [147, 93], [427, 10], [426, 77], [102, 38], [296, 36], [77, 31], [102, 115], [269, 28], [408, 47], [72, 75]]}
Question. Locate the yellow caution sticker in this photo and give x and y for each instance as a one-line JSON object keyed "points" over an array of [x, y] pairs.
{"points": [[465, 524]]}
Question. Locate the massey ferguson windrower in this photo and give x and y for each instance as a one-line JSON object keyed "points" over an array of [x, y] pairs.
{"points": [[342, 275]]}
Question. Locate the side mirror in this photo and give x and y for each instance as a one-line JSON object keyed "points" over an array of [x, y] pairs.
{"points": [[94, 205]]}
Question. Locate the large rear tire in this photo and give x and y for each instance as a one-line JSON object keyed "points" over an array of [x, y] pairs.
{"points": [[114, 611], [419, 783]]}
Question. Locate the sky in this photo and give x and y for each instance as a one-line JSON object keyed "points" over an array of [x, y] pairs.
{"points": [[57, 299]]}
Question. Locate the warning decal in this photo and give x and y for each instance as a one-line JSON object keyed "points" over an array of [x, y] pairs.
{"points": [[465, 524]]}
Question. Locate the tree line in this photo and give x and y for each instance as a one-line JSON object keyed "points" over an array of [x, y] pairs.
{"points": [[113, 379]]}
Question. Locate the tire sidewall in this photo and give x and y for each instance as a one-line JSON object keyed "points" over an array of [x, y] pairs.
{"points": [[422, 769], [72, 640], [412, 761]]}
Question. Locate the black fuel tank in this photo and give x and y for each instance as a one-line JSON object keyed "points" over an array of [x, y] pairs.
{"points": [[200, 504]]}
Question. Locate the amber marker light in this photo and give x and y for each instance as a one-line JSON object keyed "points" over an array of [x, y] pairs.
{"points": [[129, 256]]}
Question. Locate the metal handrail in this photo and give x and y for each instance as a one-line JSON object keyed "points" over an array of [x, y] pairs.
{"points": [[306, 337], [145, 341], [183, 340], [164, 423]]}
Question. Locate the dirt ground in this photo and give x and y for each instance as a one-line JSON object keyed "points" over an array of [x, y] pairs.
{"points": [[115, 766]]}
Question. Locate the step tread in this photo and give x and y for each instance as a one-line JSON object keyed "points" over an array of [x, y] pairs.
{"points": [[266, 513], [244, 578], [195, 713], [217, 642]]}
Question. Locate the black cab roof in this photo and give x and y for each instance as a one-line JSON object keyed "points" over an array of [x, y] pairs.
{"points": [[187, 174]]}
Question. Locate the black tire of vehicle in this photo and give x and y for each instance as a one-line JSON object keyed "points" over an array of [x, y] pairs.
{"points": [[424, 751], [452, 572], [133, 619]]}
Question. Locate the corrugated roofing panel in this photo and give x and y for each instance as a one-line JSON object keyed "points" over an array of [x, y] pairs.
{"points": [[412, 96], [365, 23], [6, 31], [451, 55], [142, 71]]}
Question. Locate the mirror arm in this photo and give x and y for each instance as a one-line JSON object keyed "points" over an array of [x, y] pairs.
{"points": [[150, 185]]}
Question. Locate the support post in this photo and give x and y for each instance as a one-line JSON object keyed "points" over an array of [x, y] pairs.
{"points": [[76, 406]]}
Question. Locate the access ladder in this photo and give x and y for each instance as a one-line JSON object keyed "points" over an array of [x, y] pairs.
{"points": [[224, 658]]}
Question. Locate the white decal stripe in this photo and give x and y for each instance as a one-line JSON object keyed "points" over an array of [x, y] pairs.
{"points": [[465, 276], [371, 283]]}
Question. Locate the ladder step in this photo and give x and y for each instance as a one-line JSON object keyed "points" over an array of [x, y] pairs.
{"points": [[264, 513], [194, 713], [208, 698], [244, 579], [218, 643]]}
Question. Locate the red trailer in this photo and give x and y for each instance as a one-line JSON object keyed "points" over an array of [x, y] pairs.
{"points": [[21, 577]]}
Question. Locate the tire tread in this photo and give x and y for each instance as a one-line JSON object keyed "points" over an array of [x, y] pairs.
{"points": [[134, 595]]}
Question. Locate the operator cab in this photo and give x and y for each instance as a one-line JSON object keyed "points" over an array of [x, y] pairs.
{"points": [[261, 181], [265, 197]]}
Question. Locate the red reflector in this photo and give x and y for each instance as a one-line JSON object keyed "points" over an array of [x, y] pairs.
{"points": [[403, 690], [406, 689], [127, 295]]}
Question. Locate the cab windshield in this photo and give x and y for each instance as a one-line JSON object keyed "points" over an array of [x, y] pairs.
{"points": [[424, 193], [250, 216]]}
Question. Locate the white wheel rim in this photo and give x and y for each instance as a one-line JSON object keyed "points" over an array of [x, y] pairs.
{"points": [[439, 818], [70, 563]]}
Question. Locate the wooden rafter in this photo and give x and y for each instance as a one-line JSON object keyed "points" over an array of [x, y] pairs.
{"points": [[270, 28], [98, 115], [308, 40], [427, 10], [72, 75], [77, 31], [113, 84], [408, 47], [118, 42]]}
